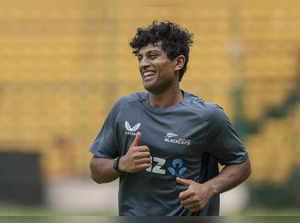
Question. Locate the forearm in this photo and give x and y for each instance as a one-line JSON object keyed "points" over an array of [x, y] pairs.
{"points": [[102, 170], [229, 177]]}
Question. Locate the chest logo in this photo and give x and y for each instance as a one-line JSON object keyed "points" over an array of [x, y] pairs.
{"points": [[174, 138], [161, 165], [131, 130], [171, 135], [177, 168]]}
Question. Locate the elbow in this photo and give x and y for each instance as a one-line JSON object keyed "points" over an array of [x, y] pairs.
{"points": [[97, 179], [99, 172], [95, 174], [101, 179], [248, 169]]}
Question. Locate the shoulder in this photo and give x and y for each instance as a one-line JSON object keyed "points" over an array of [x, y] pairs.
{"points": [[209, 111], [126, 101], [132, 98], [129, 99]]}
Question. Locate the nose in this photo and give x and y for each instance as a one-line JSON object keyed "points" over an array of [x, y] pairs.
{"points": [[143, 63]]}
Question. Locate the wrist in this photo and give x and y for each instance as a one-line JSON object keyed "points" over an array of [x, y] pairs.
{"points": [[118, 166], [122, 167], [212, 188]]}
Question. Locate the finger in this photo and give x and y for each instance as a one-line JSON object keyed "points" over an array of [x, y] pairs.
{"points": [[189, 206], [143, 149], [143, 166], [142, 161], [137, 139], [141, 155], [185, 195], [184, 181], [192, 206], [188, 202], [194, 209]]}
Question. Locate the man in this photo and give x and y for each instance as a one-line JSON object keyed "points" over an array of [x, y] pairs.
{"points": [[165, 144]]}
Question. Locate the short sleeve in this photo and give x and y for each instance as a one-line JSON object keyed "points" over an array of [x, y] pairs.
{"points": [[106, 143], [226, 145]]}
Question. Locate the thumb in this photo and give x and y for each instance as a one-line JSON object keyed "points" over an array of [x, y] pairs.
{"points": [[137, 139], [185, 182]]}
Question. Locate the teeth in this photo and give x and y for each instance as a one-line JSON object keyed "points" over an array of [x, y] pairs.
{"points": [[148, 73]]}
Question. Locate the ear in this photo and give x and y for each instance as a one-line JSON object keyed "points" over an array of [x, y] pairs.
{"points": [[179, 62]]}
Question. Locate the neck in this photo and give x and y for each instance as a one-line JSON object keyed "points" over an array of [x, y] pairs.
{"points": [[167, 98]]}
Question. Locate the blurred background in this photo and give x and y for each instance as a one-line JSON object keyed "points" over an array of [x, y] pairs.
{"points": [[63, 64]]}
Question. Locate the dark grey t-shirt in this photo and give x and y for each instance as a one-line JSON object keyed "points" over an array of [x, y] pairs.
{"points": [[188, 140]]}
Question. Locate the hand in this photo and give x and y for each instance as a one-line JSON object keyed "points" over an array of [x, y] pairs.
{"points": [[196, 196], [137, 158]]}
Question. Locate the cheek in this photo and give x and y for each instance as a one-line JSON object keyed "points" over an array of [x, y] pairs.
{"points": [[164, 68]]}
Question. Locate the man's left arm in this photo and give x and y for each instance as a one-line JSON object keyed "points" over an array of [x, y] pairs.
{"points": [[197, 195]]}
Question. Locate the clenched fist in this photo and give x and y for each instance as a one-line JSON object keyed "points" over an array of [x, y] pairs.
{"points": [[196, 196], [137, 158]]}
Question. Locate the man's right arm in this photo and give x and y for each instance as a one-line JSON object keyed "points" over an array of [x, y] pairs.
{"points": [[136, 159], [102, 170]]}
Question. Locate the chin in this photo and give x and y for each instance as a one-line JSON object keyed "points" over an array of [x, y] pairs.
{"points": [[153, 89], [149, 87]]}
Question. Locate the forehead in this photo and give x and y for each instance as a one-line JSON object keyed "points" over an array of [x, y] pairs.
{"points": [[150, 47]]}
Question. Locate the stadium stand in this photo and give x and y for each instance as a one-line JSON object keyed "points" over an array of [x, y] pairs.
{"points": [[62, 68], [278, 143]]}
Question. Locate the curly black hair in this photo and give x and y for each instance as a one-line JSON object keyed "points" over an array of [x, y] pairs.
{"points": [[175, 40]]}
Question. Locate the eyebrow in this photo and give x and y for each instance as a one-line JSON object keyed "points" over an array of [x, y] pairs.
{"points": [[149, 52]]}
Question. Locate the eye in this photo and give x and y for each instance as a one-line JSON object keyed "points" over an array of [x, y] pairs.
{"points": [[153, 56], [139, 58]]}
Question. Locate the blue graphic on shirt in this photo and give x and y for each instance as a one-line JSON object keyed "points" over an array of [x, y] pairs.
{"points": [[177, 164]]}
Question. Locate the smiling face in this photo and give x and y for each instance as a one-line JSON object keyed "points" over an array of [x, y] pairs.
{"points": [[158, 72]]}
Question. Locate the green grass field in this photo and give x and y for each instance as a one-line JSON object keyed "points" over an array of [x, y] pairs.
{"points": [[25, 211], [271, 212]]}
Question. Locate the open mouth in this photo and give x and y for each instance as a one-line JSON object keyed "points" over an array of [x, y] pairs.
{"points": [[148, 75]]}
